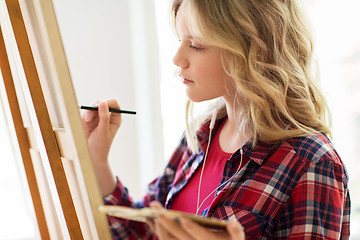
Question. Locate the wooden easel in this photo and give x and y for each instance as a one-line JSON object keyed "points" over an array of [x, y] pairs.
{"points": [[47, 123]]}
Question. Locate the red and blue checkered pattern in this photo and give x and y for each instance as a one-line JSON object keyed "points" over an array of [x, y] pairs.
{"points": [[296, 189]]}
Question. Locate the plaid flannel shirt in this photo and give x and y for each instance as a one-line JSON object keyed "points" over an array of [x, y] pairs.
{"points": [[296, 189]]}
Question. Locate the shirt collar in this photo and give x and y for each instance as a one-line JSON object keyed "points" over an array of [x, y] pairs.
{"points": [[257, 153], [260, 151]]}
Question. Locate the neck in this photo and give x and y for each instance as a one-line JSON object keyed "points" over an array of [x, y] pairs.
{"points": [[232, 137], [231, 121]]}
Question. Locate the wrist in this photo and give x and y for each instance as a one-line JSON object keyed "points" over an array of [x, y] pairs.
{"points": [[99, 159], [106, 179], [101, 163]]}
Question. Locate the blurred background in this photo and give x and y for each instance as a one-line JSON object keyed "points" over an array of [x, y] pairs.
{"points": [[123, 49]]}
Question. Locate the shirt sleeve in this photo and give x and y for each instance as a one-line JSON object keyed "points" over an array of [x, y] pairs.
{"points": [[121, 228], [157, 191], [319, 206]]}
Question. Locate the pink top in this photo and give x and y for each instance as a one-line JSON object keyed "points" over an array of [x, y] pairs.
{"points": [[186, 199]]}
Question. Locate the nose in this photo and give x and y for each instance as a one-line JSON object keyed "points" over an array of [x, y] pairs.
{"points": [[180, 58]]}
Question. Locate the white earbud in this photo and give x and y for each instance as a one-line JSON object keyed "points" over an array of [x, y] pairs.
{"points": [[213, 119]]}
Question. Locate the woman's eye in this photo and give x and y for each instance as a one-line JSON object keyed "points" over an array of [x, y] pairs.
{"points": [[196, 48]]}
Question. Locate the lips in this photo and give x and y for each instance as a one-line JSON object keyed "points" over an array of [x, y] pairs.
{"points": [[185, 80]]}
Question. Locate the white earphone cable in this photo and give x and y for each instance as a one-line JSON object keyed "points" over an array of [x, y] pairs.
{"points": [[212, 123], [226, 182]]}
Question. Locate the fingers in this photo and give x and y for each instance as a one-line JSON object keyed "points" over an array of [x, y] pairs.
{"points": [[176, 229], [235, 230], [87, 116], [104, 115], [156, 204], [151, 224], [113, 103], [162, 231], [167, 228], [198, 232], [194, 229]]}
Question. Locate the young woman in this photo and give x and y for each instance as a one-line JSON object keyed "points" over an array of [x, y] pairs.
{"points": [[261, 157]]}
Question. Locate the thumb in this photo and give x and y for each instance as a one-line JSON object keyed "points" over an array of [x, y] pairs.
{"points": [[235, 230], [156, 204], [104, 115]]}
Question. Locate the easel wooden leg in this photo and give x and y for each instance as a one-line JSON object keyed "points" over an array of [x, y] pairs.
{"points": [[46, 129], [22, 139]]}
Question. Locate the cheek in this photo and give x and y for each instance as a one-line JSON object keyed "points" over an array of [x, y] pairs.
{"points": [[215, 75], [211, 70]]}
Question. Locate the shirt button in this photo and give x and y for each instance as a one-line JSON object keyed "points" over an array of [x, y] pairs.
{"points": [[229, 164]]}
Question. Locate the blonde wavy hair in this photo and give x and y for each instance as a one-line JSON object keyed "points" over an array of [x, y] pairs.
{"points": [[267, 51]]}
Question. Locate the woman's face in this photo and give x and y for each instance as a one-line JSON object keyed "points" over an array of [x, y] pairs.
{"points": [[200, 65]]}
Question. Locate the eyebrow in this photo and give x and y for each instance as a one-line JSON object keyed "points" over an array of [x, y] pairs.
{"points": [[191, 38], [187, 37]]}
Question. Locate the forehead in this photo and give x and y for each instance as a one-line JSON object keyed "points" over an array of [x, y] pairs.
{"points": [[185, 26], [181, 20]]}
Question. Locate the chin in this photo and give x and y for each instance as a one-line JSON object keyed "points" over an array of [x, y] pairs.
{"points": [[197, 99]]}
